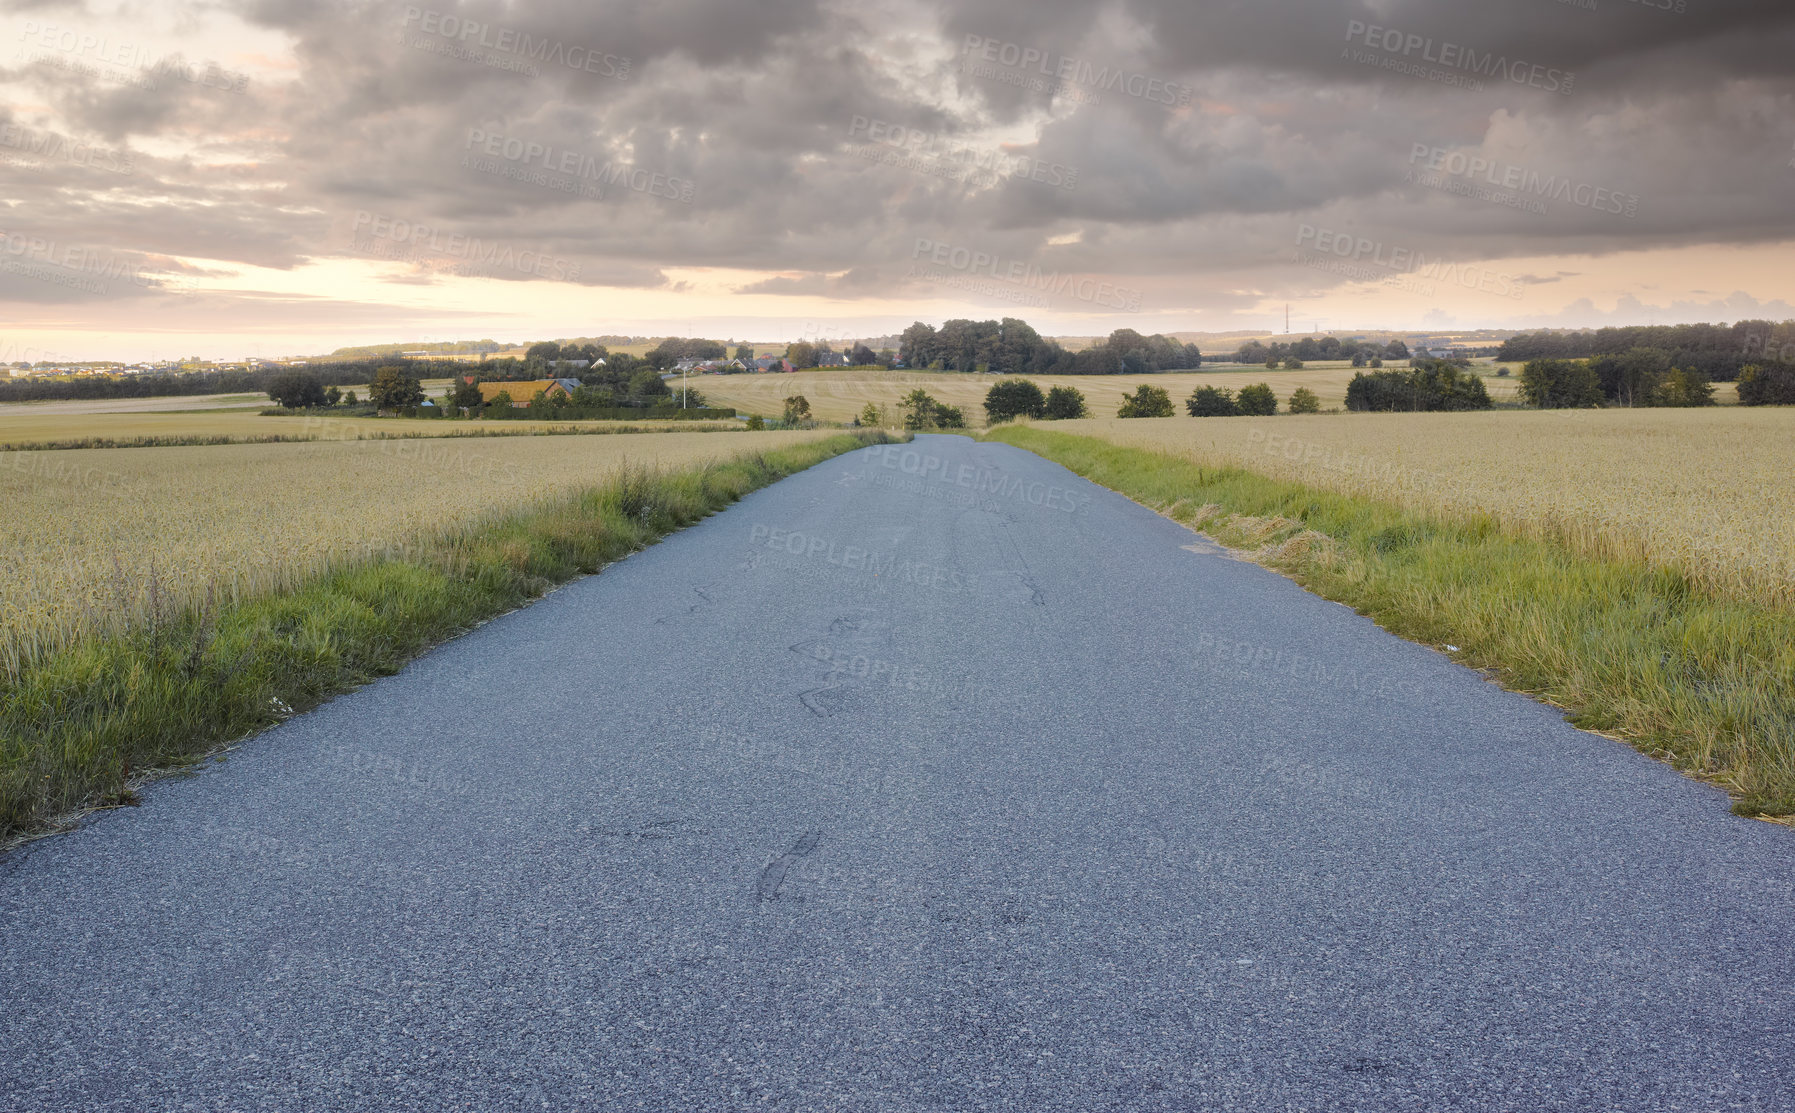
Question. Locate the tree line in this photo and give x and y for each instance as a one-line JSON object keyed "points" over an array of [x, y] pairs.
{"points": [[1012, 347], [1717, 352], [326, 373], [1292, 354], [1645, 377]]}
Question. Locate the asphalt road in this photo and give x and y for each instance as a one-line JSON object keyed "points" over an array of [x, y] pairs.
{"points": [[979, 788]]}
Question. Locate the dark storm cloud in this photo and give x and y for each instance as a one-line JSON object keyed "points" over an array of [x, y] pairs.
{"points": [[715, 133]]}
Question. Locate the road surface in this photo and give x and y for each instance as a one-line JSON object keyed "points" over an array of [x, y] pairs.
{"points": [[933, 778]]}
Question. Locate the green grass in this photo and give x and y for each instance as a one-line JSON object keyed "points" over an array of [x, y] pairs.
{"points": [[1691, 676], [82, 725]]}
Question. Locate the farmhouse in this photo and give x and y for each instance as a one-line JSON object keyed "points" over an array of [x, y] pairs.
{"points": [[521, 393]]}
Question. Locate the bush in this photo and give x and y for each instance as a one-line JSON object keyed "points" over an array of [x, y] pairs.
{"points": [[1013, 398], [1560, 384], [1147, 401], [797, 411], [1210, 401], [756, 422], [1304, 401], [922, 412], [1065, 403], [297, 390], [1291, 363], [1770, 384], [1257, 400]]}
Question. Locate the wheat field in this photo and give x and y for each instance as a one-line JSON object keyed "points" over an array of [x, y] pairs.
{"points": [[1706, 491], [20, 429], [100, 539], [841, 395]]}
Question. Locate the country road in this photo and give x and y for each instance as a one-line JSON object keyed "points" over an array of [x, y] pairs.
{"points": [[933, 778]]}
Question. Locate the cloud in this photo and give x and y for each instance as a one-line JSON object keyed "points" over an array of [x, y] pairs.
{"points": [[1677, 133]]}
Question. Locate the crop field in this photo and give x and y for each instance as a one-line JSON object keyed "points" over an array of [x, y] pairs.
{"points": [[1700, 490], [101, 539], [250, 402], [19, 429], [841, 395]]}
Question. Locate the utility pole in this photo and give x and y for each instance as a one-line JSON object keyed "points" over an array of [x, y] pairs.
{"points": [[1286, 318]]}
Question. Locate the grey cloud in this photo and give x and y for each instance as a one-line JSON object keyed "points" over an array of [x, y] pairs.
{"points": [[751, 103]]}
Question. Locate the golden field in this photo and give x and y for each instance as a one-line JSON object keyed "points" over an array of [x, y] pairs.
{"points": [[98, 539], [841, 395], [1703, 490], [26, 429], [250, 402]]}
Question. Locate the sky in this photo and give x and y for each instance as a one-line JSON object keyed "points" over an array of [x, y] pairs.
{"points": [[275, 177]]}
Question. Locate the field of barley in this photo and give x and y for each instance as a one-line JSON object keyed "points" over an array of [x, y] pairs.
{"points": [[1704, 490], [250, 402], [841, 395], [99, 539], [31, 429]]}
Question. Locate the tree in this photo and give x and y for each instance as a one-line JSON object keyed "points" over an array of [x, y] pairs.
{"points": [[333, 395], [395, 388], [543, 351], [500, 406], [797, 411], [1441, 386], [1209, 401], [1437, 385], [1258, 400], [1633, 376], [756, 422], [1291, 363], [1767, 384], [870, 417], [1304, 401], [1552, 384], [647, 383], [1683, 387], [1012, 398], [466, 395], [802, 354], [743, 352], [862, 356], [1147, 401], [1396, 349], [916, 346], [296, 390], [922, 412], [1065, 403], [349, 399]]}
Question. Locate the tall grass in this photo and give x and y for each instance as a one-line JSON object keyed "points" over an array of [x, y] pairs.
{"points": [[1683, 669], [81, 722]]}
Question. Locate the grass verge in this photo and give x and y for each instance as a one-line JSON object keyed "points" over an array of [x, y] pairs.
{"points": [[80, 726], [1693, 676]]}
